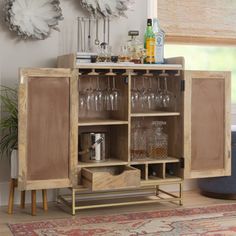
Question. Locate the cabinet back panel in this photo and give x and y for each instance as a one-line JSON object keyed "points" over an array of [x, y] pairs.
{"points": [[207, 145], [48, 128]]}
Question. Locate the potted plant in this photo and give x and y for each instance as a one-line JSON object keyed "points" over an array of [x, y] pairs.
{"points": [[9, 127]]}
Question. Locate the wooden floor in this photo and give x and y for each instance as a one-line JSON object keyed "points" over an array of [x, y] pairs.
{"points": [[191, 199]]}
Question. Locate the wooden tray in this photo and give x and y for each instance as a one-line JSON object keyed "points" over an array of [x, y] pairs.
{"points": [[110, 177]]}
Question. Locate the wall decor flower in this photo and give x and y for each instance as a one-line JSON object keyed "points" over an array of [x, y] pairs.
{"points": [[32, 18], [107, 8]]}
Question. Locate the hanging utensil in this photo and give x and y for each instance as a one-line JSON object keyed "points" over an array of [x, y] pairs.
{"points": [[108, 31], [96, 39], [89, 35], [103, 44], [84, 46]]}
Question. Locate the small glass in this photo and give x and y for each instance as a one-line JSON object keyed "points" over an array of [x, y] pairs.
{"points": [[124, 53], [104, 53]]}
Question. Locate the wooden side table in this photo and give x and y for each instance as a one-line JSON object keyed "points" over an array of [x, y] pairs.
{"points": [[13, 185]]}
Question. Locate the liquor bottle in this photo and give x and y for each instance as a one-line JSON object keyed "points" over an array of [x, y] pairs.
{"points": [[149, 43], [135, 47], [159, 42]]}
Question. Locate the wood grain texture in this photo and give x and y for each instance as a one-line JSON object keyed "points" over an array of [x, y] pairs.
{"points": [[33, 202], [66, 61], [207, 129], [48, 128], [44, 128], [198, 21], [73, 138], [22, 135], [108, 178]]}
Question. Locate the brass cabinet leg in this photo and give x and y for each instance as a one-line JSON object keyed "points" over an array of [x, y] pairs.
{"points": [[181, 194], [73, 202], [33, 202], [22, 200], [45, 202], [11, 196]]}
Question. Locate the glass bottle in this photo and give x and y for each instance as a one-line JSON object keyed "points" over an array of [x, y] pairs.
{"points": [[135, 47], [149, 43], [158, 141], [159, 42], [138, 141]]}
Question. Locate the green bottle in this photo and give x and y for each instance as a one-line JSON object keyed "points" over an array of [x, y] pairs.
{"points": [[149, 43]]}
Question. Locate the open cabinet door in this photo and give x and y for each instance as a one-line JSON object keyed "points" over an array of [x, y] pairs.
{"points": [[47, 124], [207, 134]]}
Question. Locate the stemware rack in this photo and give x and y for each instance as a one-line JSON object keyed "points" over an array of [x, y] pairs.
{"points": [[152, 173]]}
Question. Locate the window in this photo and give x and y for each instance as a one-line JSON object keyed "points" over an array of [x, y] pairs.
{"points": [[216, 58]]}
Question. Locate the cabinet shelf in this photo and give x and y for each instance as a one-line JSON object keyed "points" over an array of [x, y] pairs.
{"points": [[158, 113], [110, 162], [96, 122], [156, 161], [157, 180]]}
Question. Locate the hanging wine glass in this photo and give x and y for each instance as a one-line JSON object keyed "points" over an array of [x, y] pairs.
{"points": [[159, 94], [143, 96], [82, 103], [150, 96], [107, 96], [168, 98], [135, 97], [98, 96], [115, 96], [89, 97]]}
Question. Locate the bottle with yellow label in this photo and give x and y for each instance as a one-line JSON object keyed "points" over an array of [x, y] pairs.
{"points": [[149, 43]]}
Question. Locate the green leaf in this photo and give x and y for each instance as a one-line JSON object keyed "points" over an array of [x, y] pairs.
{"points": [[9, 120]]}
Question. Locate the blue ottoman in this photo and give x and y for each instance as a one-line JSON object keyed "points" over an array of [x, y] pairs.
{"points": [[221, 187]]}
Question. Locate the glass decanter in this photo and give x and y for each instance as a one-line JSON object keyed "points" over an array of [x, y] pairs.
{"points": [[138, 141], [158, 141]]}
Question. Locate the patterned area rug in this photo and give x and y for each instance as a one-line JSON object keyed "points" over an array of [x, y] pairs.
{"points": [[212, 220]]}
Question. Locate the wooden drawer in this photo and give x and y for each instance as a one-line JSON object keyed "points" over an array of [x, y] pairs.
{"points": [[109, 178]]}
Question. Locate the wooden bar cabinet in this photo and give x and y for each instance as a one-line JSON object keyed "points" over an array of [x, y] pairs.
{"points": [[50, 123]]}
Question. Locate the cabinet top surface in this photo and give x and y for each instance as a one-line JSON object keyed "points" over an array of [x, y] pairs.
{"points": [[131, 66]]}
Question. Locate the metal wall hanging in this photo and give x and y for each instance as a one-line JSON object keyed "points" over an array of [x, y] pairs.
{"points": [[32, 18], [107, 8]]}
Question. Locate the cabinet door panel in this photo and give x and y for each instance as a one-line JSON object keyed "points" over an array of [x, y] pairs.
{"points": [[207, 124], [45, 152], [48, 128]]}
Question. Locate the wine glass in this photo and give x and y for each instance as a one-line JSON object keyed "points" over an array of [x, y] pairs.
{"points": [[115, 96], [89, 97], [150, 96], [107, 96], [158, 96], [167, 96], [82, 103], [135, 96], [98, 97], [143, 96]]}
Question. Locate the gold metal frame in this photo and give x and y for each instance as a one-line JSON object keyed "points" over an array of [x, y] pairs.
{"points": [[69, 200]]}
